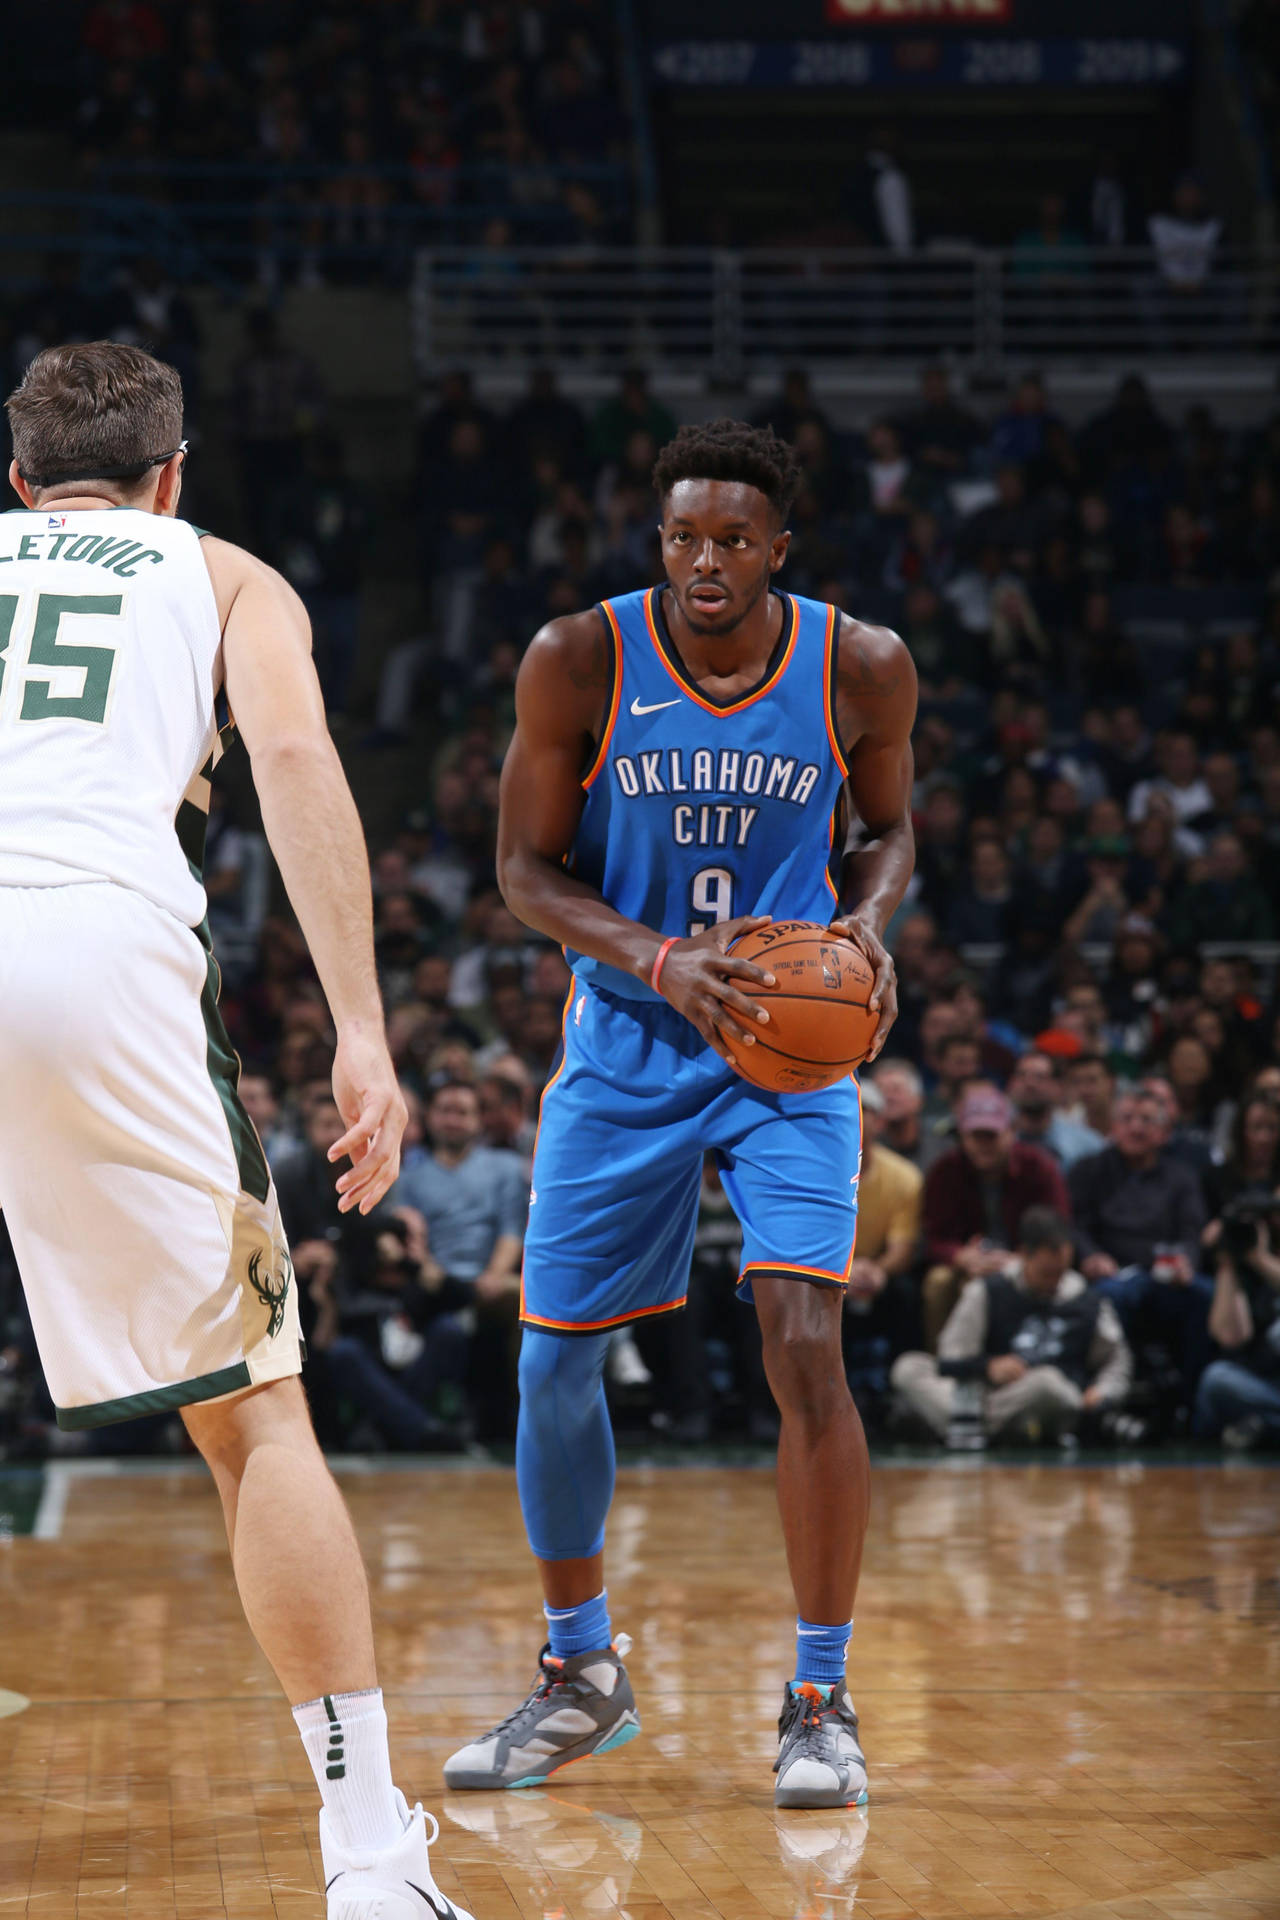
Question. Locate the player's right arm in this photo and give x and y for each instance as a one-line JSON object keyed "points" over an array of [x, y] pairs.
{"points": [[315, 834], [561, 695]]}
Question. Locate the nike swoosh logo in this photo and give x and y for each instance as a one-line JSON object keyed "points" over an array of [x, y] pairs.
{"points": [[446, 1912], [639, 711]]}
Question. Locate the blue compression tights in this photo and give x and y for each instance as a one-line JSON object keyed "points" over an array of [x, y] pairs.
{"points": [[564, 1443]]}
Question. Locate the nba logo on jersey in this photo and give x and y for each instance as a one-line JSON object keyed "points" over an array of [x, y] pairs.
{"points": [[56, 520]]}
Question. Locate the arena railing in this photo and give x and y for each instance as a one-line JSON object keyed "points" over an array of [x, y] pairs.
{"points": [[728, 313], [721, 313]]}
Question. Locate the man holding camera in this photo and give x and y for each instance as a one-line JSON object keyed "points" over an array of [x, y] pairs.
{"points": [[1239, 1397]]}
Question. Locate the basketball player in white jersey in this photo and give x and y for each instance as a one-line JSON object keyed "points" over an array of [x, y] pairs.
{"points": [[138, 1199]]}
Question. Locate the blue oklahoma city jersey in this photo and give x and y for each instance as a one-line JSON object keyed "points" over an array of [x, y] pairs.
{"points": [[695, 813], [699, 811]]}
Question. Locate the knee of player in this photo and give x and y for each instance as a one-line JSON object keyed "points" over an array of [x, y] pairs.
{"points": [[227, 1432], [806, 1369], [555, 1368]]}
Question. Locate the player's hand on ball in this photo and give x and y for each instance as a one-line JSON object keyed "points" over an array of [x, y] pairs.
{"points": [[884, 994], [697, 979]]}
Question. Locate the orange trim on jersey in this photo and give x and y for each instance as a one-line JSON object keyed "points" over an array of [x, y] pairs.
{"points": [[792, 1266], [831, 847], [709, 706], [827, 666], [599, 1326], [614, 705], [564, 1061]]}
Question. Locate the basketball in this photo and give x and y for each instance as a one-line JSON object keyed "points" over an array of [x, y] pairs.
{"points": [[820, 1024]]}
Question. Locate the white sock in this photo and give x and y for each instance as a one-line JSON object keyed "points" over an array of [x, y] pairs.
{"points": [[345, 1735]]}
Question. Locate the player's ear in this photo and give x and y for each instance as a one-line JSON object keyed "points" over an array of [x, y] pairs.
{"points": [[19, 485], [169, 486], [778, 549]]}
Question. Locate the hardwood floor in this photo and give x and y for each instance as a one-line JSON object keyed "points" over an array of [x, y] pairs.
{"points": [[1069, 1683]]}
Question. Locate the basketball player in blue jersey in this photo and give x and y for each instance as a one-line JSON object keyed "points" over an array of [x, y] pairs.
{"points": [[681, 759]]}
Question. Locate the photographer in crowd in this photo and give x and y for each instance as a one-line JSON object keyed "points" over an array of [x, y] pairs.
{"points": [[385, 1355], [1239, 1395], [373, 1304]]}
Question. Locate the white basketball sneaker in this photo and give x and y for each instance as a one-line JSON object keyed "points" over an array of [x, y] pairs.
{"points": [[394, 1884]]}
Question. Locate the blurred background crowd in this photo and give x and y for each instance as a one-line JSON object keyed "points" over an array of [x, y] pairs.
{"points": [[351, 126], [1070, 1202], [1088, 1038]]}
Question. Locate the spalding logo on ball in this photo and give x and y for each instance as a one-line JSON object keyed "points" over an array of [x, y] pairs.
{"points": [[820, 1025]]}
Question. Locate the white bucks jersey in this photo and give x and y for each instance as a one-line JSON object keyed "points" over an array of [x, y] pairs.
{"points": [[110, 663]]}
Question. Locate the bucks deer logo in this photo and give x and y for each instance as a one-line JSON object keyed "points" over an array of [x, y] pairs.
{"points": [[274, 1290]]}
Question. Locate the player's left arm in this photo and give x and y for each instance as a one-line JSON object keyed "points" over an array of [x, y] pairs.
{"points": [[875, 712]]}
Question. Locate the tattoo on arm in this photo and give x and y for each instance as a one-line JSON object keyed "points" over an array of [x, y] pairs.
{"points": [[861, 681]]}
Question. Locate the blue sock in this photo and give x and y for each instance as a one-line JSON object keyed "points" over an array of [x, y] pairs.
{"points": [[580, 1629], [821, 1652]]}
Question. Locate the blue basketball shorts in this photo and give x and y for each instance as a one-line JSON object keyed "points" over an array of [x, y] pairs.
{"points": [[636, 1101]]}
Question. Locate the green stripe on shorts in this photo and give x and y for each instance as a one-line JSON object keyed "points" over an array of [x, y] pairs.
{"points": [[205, 1386], [224, 1071]]}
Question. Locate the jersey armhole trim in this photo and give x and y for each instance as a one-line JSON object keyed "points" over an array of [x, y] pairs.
{"points": [[832, 667], [615, 640]]}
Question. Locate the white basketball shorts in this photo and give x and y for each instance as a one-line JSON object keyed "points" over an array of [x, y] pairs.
{"points": [[136, 1192]]}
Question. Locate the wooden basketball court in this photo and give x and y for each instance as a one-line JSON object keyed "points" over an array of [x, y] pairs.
{"points": [[1069, 1683]]}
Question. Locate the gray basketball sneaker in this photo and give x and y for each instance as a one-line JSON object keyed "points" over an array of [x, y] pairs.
{"points": [[577, 1706], [819, 1763]]}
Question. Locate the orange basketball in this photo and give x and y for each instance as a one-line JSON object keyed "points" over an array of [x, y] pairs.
{"points": [[820, 1026]]}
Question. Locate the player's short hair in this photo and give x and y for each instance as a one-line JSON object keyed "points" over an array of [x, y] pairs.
{"points": [[94, 411], [731, 450]]}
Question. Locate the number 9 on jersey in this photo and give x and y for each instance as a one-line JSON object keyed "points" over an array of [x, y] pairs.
{"points": [[710, 898]]}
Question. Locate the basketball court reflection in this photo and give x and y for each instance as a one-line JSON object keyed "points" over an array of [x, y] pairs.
{"points": [[571, 1857], [822, 1860]]}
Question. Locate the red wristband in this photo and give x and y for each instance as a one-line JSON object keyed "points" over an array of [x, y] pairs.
{"points": [[659, 958]]}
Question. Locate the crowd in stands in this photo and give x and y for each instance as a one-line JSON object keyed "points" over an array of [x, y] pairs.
{"points": [[1070, 1198], [358, 129]]}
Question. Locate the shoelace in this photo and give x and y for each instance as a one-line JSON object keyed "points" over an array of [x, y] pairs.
{"points": [[544, 1685], [813, 1708], [548, 1682], [434, 1834]]}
